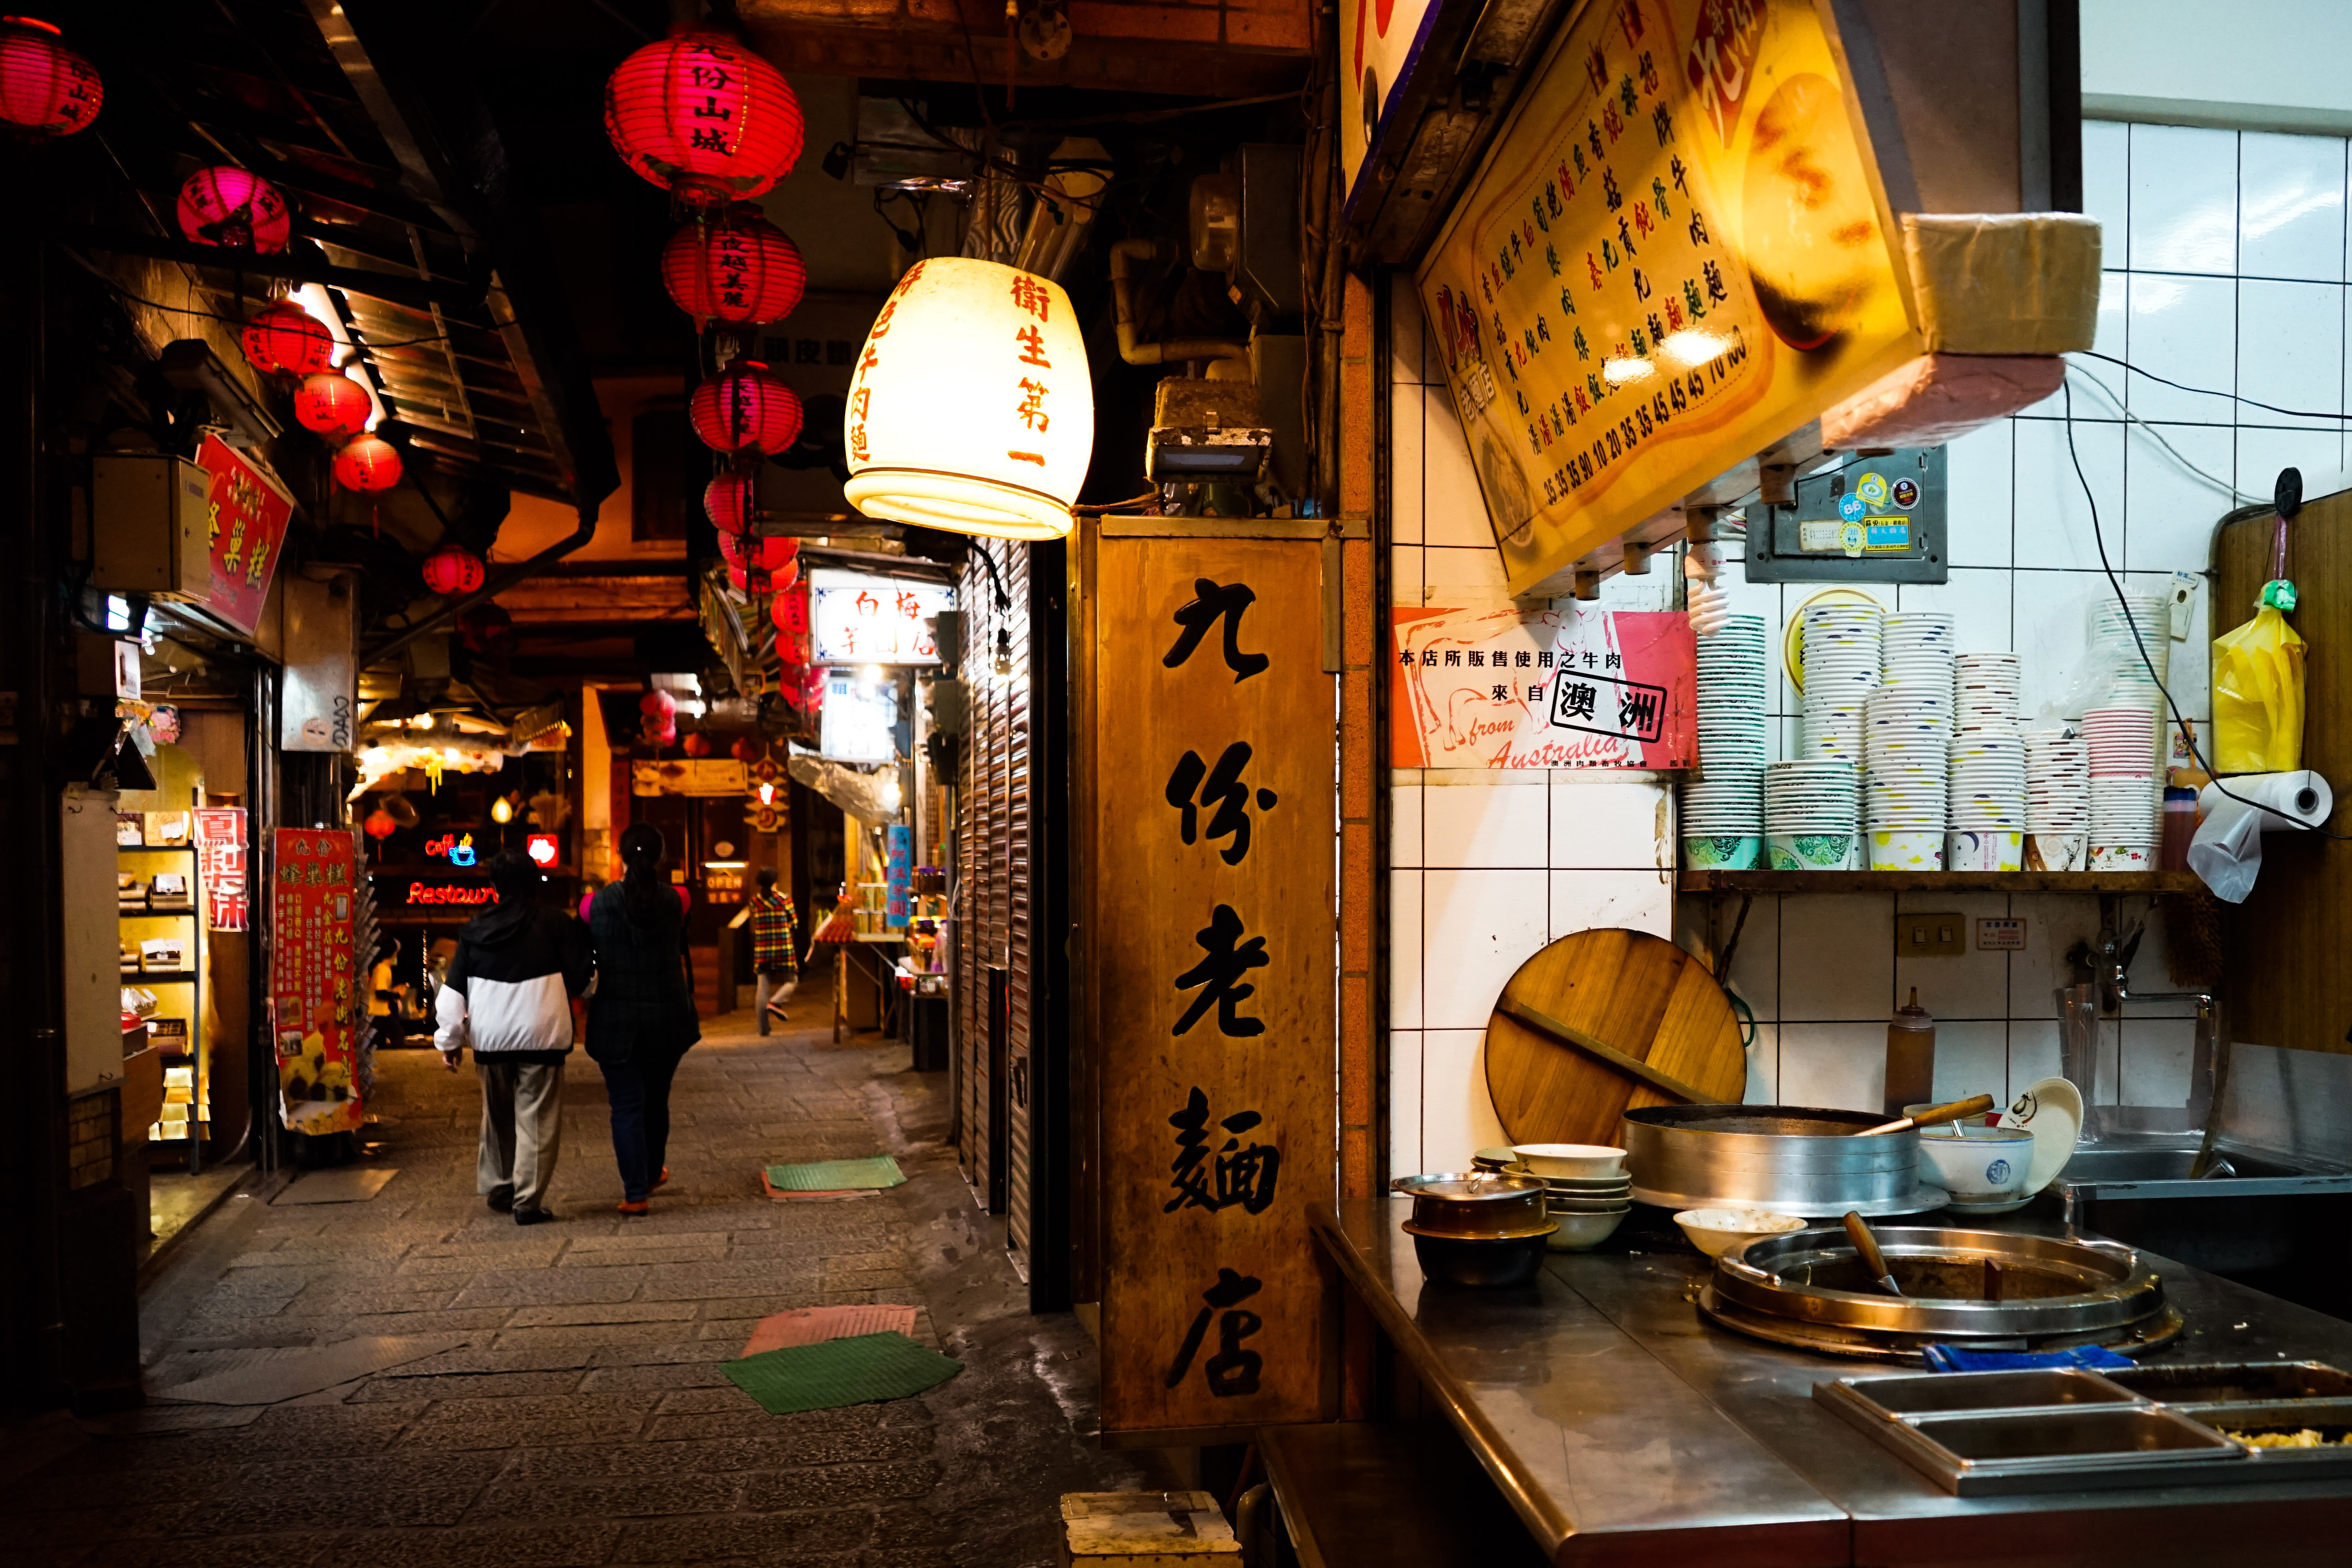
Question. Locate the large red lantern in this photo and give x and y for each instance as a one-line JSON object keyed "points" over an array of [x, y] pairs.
{"points": [[739, 268], [287, 340], [332, 404], [764, 555], [453, 569], [733, 501], [45, 89], [380, 824], [370, 465], [791, 613], [233, 207], [703, 117], [747, 407]]}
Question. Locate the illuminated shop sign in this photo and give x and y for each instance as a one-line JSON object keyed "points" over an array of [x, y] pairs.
{"points": [[543, 849], [457, 849], [450, 892]]}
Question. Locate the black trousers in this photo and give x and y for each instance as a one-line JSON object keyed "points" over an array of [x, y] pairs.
{"points": [[639, 1090]]}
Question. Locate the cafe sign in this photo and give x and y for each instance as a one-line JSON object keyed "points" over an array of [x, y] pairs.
{"points": [[1675, 253]]}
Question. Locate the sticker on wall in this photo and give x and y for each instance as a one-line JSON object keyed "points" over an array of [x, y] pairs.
{"points": [[1575, 688]]}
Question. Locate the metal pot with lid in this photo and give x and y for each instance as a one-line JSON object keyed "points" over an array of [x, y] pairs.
{"points": [[1795, 1159], [1475, 1204]]}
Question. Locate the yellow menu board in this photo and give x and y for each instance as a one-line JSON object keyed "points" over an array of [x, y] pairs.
{"points": [[1675, 253]]}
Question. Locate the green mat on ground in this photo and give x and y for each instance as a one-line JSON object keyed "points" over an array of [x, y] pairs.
{"points": [[859, 1370], [836, 1176]]}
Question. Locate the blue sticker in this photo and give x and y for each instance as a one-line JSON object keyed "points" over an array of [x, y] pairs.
{"points": [[1850, 508]]}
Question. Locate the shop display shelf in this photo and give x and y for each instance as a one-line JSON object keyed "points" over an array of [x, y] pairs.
{"points": [[2145, 882], [143, 976], [155, 849]]}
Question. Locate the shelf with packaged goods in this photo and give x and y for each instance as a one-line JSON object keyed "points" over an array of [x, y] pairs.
{"points": [[2143, 882]]}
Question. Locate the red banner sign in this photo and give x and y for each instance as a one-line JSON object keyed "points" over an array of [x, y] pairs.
{"points": [[315, 979], [221, 863], [248, 513]]}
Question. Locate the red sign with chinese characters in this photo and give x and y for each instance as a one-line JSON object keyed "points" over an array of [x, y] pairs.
{"points": [[1582, 686], [221, 864], [316, 980], [249, 515], [860, 619]]}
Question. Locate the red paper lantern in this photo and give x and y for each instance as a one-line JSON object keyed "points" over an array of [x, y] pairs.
{"points": [[226, 206], [332, 404], [370, 465], [45, 89], [761, 581], [746, 408], [658, 704], [696, 745], [380, 824], [791, 615], [285, 340], [746, 751], [765, 554], [661, 735], [703, 117], [740, 268], [731, 500], [452, 570]]}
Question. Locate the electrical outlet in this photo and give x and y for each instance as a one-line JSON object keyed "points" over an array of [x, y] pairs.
{"points": [[1929, 936]]}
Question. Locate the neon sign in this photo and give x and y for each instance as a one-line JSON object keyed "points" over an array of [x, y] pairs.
{"points": [[450, 892], [451, 847], [543, 849]]}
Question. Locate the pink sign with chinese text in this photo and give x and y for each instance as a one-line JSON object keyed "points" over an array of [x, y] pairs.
{"points": [[1575, 688]]}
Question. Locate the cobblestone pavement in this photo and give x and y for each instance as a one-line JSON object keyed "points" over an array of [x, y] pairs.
{"points": [[579, 1416]]}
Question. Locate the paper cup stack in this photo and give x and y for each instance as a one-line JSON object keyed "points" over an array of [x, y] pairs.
{"points": [[1916, 649], [2126, 793], [1841, 654], [1810, 815], [2057, 800], [1984, 693], [2117, 654], [1988, 821], [1723, 801], [1903, 796]]}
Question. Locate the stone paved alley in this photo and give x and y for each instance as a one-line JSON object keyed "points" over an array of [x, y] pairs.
{"points": [[583, 1418]]}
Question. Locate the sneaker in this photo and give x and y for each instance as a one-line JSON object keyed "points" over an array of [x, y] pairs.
{"points": [[500, 1199], [634, 1206], [532, 1216]]}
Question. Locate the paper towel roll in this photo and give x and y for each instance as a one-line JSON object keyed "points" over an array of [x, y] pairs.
{"points": [[2228, 848]]}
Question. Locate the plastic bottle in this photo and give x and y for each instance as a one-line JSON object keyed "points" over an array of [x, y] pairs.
{"points": [[1910, 1057], [2179, 828]]}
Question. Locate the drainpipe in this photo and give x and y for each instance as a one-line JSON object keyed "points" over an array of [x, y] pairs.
{"points": [[1175, 351], [498, 583]]}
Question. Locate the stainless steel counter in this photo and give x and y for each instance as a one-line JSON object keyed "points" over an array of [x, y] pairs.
{"points": [[1624, 1430]]}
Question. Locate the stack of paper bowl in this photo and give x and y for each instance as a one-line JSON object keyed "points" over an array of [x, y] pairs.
{"points": [[2057, 800], [1904, 794], [1987, 831], [2117, 653], [1916, 649], [1984, 693], [1587, 1190], [2126, 793], [1723, 800], [1811, 814], [1841, 651]]}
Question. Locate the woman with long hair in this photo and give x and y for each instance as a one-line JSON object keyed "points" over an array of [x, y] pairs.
{"points": [[641, 1021]]}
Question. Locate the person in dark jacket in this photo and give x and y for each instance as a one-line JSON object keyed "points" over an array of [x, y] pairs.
{"points": [[508, 995], [641, 1021]]}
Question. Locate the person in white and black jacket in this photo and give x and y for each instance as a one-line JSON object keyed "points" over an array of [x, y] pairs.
{"points": [[508, 995]]}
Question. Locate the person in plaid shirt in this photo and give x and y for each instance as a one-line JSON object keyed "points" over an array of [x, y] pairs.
{"points": [[774, 929]]}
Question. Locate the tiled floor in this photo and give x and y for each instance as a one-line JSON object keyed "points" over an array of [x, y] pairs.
{"points": [[584, 1418]]}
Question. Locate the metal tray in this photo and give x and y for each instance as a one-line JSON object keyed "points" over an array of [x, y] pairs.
{"points": [[1945, 1393], [1997, 1453], [2237, 1382], [2332, 1418]]}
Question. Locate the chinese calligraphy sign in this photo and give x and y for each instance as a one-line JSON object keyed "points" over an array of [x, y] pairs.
{"points": [[857, 618], [1208, 817], [317, 979], [1575, 688], [221, 865], [247, 513], [1675, 256]]}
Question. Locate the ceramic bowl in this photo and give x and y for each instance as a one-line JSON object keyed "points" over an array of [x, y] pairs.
{"points": [[1812, 851], [1977, 1165], [1713, 1229], [1559, 1205], [1584, 1160], [1722, 852], [1481, 1265], [1581, 1232], [1898, 850]]}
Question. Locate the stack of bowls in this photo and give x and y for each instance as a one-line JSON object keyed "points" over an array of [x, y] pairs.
{"points": [[1478, 1228], [1723, 800], [1811, 815], [2127, 796], [1587, 1190], [1916, 649], [1988, 815], [2057, 800], [1842, 644], [1984, 693], [2116, 653], [1904, 792]]}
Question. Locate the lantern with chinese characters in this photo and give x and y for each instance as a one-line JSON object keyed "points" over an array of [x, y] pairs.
{"points": [[733, 501], [380, 824], [971, 410], [696, 745], [234, 208], [370, 465], [285, 340], [739, 268], [45, 89], [747, 407], [453, 570], [332, 404], [746, 749], [701, 116]]}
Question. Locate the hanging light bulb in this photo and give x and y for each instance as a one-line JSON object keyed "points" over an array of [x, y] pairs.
{"points": [[502, 811]]}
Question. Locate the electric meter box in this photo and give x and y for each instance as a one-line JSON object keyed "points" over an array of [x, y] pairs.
{"points": [[150, 531], [1883, 518]]}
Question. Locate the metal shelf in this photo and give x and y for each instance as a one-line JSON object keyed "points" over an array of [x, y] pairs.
{"points": [[2143, 882]]}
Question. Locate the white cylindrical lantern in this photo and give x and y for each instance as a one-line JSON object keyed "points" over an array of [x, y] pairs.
{"points": [[971, 410]]}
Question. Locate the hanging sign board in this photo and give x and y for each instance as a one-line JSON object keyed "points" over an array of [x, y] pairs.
{"points": [[221, 866], [860, 619], [1209, 828], [688, 776], [247, 513], [1575, 688], [1676, 255], [1381, 43], [315, 979]]}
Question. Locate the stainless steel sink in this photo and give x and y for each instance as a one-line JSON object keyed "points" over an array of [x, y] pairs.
{"points": [[2154, 1169]]}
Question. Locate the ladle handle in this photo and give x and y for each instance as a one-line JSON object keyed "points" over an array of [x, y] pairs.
{"points": [[1866, 1244], [1934, 1115]]}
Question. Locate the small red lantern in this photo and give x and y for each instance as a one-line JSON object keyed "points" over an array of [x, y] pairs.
{"points": [[739, 268], [370, 465], [380, 824], [746, 408], [332, 404], [763, 554], [452, 570], [732, 500], [486, 629], [791, 615], [45, 88], [761, 581], [661, 735], [235, 209], [696, 745], [703, 117], [746, 749], [658, 704], [285, 340]]}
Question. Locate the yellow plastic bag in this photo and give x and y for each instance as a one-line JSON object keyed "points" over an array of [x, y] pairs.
{"points": [[2258, 696]]}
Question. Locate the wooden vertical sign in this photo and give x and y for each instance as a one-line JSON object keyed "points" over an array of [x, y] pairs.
{"points": [[1210, 977]]}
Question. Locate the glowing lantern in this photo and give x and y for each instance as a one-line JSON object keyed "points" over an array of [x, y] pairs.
{"points": [[370, 465], [380, 824], [45, 88], [746, 751], [764, 555], [287, 340], [746, 408], [971, 410], [740, 268], [703, 117], [658, 704], [235, 208], [332, 404], [791, 613], [696, 745], [453, 569], [733, 501], [502, 811]]}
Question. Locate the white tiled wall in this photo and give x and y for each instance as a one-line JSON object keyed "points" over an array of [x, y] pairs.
{"points": [[2227, 272]]}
